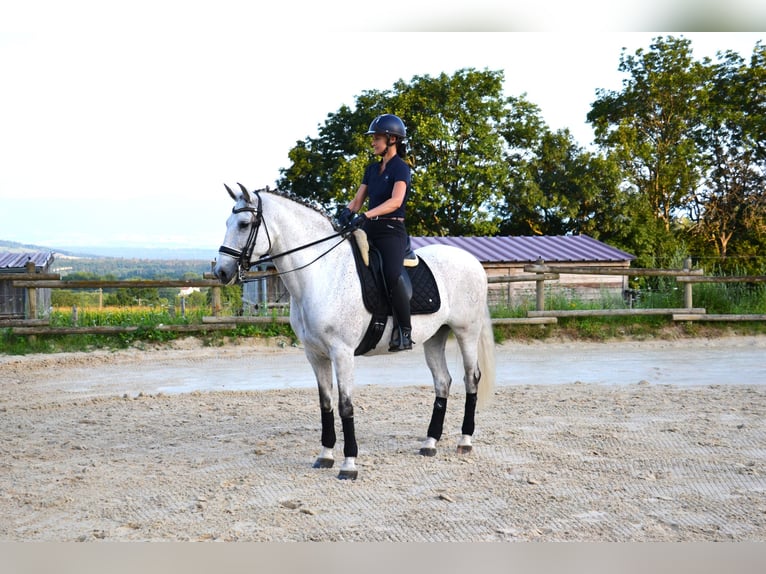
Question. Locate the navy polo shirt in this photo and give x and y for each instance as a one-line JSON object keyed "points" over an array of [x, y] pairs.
{"points": [[380, 186]]}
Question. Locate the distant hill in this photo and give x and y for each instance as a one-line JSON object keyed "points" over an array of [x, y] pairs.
{"points": [[142, 252], [120, 252], [122, 263], [14, 247]]}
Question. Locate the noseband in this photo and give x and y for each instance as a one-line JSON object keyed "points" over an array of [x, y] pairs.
{"points": [[243, 257]]}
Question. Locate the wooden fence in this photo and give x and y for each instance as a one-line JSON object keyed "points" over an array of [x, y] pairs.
{"points": [[539, 272], [687, 276]]}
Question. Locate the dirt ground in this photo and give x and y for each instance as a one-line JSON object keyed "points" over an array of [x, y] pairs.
{"points": [[620, 441]]}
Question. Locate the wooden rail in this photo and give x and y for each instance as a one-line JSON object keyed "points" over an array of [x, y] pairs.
{"points": [[538, 272], [613, 312], [23, 323], [718, 317], [253, 320], [723, 279], [543, 276], [29, 276], [96, 284], [525, 321], [640, 272]]}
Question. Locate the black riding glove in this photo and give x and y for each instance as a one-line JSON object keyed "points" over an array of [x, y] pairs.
{"points": [[357, 222], [344, 217]]}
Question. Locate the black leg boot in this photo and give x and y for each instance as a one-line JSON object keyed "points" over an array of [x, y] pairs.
{"points": [[401, 337], [405, 340], [396, 336]]}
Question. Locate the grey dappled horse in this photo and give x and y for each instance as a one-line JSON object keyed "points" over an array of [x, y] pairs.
{"points": [[328, 315]]}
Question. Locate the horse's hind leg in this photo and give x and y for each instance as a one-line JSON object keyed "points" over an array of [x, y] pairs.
{"points": [[465, 446], [437, 362], [471, 379]]}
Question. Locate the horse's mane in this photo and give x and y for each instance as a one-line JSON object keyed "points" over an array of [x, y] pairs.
{"points": [[298, 199]]}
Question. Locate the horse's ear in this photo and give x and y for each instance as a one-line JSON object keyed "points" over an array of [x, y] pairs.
{"points": [[231, 193], [245, 193]]}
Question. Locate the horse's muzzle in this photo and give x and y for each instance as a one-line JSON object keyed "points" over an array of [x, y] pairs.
{"points": [[224, 275]]}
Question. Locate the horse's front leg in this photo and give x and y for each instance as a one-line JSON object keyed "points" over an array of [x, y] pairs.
{"points": [[323, 371], [344, 370]]}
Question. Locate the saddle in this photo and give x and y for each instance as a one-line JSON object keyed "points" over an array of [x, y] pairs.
{"points": [[369, 267]]}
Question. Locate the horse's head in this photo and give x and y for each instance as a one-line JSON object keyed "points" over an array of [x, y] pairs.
{"points": [[245, 236]]}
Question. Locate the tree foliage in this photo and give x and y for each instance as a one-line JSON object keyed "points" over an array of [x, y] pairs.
{"points": [[455, 145], [729, 206], [649, 125], [688, 136], [679, 164], [458, 149], [560, 189]]}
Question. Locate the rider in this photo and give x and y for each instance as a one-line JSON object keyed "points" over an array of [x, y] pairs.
{"points": [[387, 185]]}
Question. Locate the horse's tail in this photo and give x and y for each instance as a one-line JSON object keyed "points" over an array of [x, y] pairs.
{"points": [[486, 362]]}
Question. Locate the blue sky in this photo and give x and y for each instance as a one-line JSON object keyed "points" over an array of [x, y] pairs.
{"points": [[120, 122]]}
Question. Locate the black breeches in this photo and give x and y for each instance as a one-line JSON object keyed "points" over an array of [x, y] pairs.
{"points": [[390, 237]]}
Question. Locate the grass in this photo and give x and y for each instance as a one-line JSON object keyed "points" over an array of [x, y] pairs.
{"points": [[633, 328], [147, 320]]}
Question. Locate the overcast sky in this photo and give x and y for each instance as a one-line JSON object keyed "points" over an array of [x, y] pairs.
{"points": [[120, 122]]}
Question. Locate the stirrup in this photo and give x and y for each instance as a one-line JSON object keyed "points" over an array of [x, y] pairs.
{"points": [[401, 340]]}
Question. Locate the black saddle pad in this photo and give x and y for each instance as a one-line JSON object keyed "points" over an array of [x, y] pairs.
{"points": [[425, 293]]}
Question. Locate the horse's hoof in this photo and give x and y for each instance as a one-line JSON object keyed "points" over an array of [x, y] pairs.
{"points": [[324, 463], [464, 448], [347, 474], [428, 451]]}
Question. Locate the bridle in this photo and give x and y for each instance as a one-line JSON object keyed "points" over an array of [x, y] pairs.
{"points": [[245, 255]]}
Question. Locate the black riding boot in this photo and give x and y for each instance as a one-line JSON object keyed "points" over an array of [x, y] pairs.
{"points": [[401, 337]]}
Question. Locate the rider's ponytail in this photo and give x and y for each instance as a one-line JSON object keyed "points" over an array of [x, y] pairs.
{"points": [[401, 151]]}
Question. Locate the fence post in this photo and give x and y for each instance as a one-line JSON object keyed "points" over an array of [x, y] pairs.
{"points": [[688, 285], [540, 288], [215, 295], [216, 301], [31, 311]]}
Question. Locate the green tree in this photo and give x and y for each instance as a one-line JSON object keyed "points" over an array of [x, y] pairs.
{"points": [[65, 298], [197, 298], [327, 168], [729, 208], [649, 125], [130, 296], [558, 188], [456, 148], [457, 124]]}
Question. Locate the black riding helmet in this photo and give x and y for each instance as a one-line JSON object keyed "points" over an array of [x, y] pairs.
{"points": [[388, 124]]}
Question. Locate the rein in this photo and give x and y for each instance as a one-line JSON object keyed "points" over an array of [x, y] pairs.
{"points": [[244, 256], [270, 258]]}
